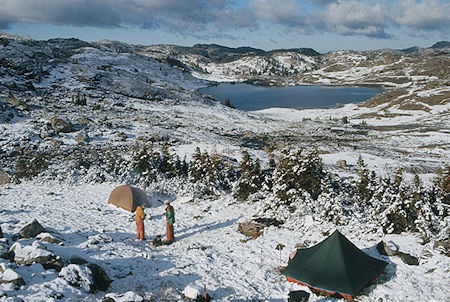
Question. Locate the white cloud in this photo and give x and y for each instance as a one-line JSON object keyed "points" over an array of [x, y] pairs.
{"points": [[277, 11], [188, 17], [356, 18], [219, 18], [425, 15]]}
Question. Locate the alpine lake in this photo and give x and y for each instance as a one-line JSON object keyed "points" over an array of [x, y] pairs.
{"points": [[251, 98]]}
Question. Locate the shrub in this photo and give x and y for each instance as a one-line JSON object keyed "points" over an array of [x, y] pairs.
{"points": [[251, 179], [210, 170], [297, 171]]}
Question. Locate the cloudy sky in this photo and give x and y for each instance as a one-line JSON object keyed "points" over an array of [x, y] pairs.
{"points": [[324, 25]]}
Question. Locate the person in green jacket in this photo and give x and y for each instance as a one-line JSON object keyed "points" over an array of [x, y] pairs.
{"points": [[170, 220]]}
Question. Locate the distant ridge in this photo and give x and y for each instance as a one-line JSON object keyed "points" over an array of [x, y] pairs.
{"points": [[438, 45], [306, 51], [411, 49], [441, 44]]}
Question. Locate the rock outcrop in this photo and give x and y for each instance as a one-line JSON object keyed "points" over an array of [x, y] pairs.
{"points": [[35, 253], [31, 230], [391, 249]]}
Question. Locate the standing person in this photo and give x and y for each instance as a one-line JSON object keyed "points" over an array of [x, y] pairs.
{"points": [[140, 216], [170, 219]]}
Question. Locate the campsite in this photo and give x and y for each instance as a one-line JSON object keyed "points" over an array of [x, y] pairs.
{"points": [[208, 250], [348, 202]]}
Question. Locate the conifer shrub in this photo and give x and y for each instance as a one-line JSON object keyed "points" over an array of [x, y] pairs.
{"points": [[297, 171], [443, 179], [366, 178], [152, 164], [251, 177], [210, 170]]}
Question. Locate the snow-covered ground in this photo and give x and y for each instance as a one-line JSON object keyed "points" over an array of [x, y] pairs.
{"points": [[133, 98], [208, 250]]}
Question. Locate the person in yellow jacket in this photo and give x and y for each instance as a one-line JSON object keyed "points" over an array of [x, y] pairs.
{"points": [[140, 216]]}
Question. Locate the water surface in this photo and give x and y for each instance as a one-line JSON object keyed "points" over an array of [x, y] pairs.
{"points": [[248, 97]]}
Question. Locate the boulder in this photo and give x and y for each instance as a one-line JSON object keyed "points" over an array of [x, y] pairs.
{"points": [[387, 248], [46, 132], [10, 276], [35, 253], [342, 163], [47, 237], [17, 103], [129, 296], [251, 229], [31, 230], [89, 277], [77, 260], [99, 276], [4, 249], [192, 291], [4, 179], [392, 249], [442, 245], [408, 259], [78, 276], [298, 296], [82, 138], [60, 125], [1, 233], [83, 121]]}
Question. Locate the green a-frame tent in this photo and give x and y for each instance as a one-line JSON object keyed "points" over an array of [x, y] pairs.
{"points": [[335, 266]]}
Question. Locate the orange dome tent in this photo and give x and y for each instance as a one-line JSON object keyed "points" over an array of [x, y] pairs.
{"points": [[128, 197]]}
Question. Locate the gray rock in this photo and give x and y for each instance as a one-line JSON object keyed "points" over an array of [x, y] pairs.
{"points": [[4, 249], [60, 125], [82, 138], [78, 276], [387, 249], [17, 103], [10, 276], [35, 253], [4, 178], [46, 132], [101, 279], [46, 237], [89, 277], [342, 163], [408, 259], [77, 260], [443, 245], [122, 136], [83, 121], [391, 249], [31, 230]]}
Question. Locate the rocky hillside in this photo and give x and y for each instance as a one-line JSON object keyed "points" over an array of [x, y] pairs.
{"points": [[416, 78]]}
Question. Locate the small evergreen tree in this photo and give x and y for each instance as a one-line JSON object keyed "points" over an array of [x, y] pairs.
{"points": [[251, 179], [209, 170], [365, 179], [298, 171], [443, 179]]}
